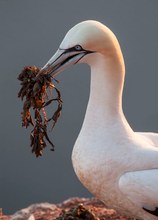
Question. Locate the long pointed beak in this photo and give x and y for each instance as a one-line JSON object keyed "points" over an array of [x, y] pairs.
{"points": [[63, 59]]}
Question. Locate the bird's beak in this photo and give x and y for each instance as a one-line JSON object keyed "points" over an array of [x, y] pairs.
{"points": [[63, 59]]}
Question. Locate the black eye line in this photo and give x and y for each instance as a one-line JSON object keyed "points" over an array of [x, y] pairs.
{"points": [[72, 49]]}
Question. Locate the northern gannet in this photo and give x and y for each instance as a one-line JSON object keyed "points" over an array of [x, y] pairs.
{"points": [[116, 164]]}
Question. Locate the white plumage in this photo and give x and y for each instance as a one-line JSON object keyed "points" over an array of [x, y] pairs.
{"points": [[116, 164]]}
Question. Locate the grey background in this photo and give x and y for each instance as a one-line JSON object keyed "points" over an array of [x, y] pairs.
{"points": [[30, 32]]}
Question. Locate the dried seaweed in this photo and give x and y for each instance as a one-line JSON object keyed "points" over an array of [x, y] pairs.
{"points": [[77, 213], [35, 92]]}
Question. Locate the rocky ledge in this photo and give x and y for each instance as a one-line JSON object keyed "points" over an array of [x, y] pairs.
{"points": [[71, 209]]}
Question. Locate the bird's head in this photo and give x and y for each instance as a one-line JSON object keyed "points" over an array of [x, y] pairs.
{"points": [[80, 45]]}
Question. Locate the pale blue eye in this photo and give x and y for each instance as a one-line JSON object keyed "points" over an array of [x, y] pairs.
{"points": [[78, 47]]}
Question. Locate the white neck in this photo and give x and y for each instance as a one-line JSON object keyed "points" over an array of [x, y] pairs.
{"points": [[107, 79]]}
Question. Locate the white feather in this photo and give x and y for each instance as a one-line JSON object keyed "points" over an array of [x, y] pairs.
{"points": [[117, 165]]}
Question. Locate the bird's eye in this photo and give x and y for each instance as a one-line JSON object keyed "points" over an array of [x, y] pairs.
{"points": [[78, 48]]}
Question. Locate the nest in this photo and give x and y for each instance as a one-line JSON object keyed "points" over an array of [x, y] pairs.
{"points": [[37, 90]]}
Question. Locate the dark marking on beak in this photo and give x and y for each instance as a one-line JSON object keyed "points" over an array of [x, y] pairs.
{"points": [[64, 58]]}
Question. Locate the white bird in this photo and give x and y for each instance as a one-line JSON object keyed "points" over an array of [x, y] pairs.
{"points": [[116, 164]]}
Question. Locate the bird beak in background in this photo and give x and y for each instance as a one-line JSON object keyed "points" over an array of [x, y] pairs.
{"points": [[63, 59]]}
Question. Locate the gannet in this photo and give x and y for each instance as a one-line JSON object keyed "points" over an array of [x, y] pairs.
{"points": [[116, 164]]}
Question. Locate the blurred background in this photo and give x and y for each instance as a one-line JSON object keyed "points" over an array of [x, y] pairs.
{"points": [[30, 32]]}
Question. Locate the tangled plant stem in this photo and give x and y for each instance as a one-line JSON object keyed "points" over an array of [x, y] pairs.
{"points": [[35, 92]]}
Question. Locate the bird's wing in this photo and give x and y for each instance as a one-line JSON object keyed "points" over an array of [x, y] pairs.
{"points": [[152, 138], [141, 188]]}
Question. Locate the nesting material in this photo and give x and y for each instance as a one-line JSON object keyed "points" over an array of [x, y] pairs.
{"points": [[37, 91]]}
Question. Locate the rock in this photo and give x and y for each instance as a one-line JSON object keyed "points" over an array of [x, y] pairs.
{"points": [[71, 209]]}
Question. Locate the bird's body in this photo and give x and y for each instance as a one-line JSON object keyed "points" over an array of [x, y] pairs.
{"points": [[116, 164]]}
